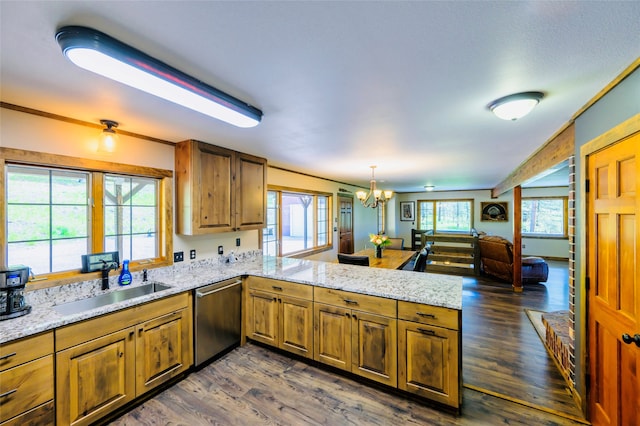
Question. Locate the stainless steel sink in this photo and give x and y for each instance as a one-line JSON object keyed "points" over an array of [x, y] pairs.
{"points": [[109, 298]]}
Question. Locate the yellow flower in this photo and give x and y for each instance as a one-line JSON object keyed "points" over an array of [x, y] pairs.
{"points": [[379, 240]]}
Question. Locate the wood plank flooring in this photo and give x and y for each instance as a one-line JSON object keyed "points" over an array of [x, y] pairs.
{"points": [[502, 353]]}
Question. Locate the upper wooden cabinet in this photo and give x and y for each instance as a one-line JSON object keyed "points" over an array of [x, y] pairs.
{"points": [[218, 189]]}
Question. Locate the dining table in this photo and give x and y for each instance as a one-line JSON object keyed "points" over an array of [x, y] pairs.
{"points": [[391, 258]]}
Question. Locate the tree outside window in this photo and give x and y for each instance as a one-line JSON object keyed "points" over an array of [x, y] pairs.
{"points": [[445, 215], [544, 217]]}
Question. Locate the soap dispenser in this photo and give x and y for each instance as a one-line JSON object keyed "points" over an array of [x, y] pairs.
{"points": [[125, 275]]}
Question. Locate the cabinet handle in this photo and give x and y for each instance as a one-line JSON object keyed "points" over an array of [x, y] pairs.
{"points": [[275, 287], [3, 357], [422, 314], [2, 395], [355, 317], [348, 315], [350, 302], [131, 333], [121, 354], [140, 330], [428, 332]]}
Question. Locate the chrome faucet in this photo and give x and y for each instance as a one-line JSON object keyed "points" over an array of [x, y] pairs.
{"points": [[106, 267]]}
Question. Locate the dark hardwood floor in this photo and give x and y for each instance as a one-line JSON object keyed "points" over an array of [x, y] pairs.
{"points": [[502, 355]]}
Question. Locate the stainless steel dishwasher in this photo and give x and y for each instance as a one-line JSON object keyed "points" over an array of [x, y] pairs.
{"points": [[217, 318]]}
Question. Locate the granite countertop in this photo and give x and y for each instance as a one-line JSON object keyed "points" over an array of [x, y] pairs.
{"points": [[431, 289]]}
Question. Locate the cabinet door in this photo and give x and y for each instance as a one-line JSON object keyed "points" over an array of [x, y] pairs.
{"points": [[296, 325], [94, 378], [250, 192], [374, 347], [428, 362], [162, 350], [332, 336], [213, 183], [262, 317]]}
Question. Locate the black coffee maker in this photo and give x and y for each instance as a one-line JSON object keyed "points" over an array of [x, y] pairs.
{"points": [[12, 282]]}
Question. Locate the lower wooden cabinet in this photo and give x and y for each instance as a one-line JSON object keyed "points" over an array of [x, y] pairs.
{"points": [[429, 355], [105, 362], [280, 315], [359, 341], [406, 345], [95, 378], [26, 381], [162, 349]]}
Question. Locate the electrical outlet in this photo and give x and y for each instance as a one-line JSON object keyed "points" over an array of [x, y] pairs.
{"points": [[220, 250], [192, 254], [178, 256], [237, 242]]}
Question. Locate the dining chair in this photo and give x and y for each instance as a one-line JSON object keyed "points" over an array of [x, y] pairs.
{"points": [[421, 261], [351, 259], [396, 243]]}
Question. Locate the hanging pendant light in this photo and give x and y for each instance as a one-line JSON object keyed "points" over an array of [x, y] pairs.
{"points": [[375, 196]]}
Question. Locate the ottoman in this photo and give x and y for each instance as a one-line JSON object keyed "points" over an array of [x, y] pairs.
{"points": [[534, 269]]}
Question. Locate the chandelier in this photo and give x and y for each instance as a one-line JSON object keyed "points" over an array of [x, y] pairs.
{"points": [[376, 196]]}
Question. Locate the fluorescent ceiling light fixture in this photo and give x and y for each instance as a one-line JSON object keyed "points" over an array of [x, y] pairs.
{"points": [[513, 107], [97, 52]]}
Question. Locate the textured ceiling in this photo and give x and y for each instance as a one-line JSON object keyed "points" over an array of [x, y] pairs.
{"points": [[343, 85]]}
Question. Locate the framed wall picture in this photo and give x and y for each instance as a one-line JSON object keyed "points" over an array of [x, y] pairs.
{"points": [[407, 211], [494, 211]]}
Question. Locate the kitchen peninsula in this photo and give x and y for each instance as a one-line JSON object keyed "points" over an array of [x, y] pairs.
{"points": [[404, 311]]}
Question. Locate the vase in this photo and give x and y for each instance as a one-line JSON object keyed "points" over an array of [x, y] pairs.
{"points": [[379, 252]]}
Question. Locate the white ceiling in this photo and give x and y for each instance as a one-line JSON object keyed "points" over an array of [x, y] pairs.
{"points": [[343, 85]]}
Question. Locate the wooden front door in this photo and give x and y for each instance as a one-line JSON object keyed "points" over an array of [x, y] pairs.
{"points": [[345, 225], [614, 274]]}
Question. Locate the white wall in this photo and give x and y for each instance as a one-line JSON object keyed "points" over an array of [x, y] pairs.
{"points": [[532, 246], [35, 133]]}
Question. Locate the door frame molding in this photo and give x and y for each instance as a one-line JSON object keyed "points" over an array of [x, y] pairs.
{"points": [[623, 130]]}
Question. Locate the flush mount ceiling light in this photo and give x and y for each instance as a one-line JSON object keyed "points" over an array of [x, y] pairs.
{"points": [[104, 55], [513, 107], [376, 196], [108, 136], [429, 188]]}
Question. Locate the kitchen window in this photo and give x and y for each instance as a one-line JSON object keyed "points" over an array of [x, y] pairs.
{"points": [[298, 222], [544, 217], [56, 214], [445, 215]]}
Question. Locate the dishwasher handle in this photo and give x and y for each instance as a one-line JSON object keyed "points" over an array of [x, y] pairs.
{"points": [[200, 295]]}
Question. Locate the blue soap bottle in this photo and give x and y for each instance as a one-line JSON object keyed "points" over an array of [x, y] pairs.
{"points": [[125, 275]]}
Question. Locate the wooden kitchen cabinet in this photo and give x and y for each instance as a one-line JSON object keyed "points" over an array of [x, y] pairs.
{"points": [[429, 355], [218, 189], [161, 349], [26, 381], [280, 314], [356, 333], [105, 362]]}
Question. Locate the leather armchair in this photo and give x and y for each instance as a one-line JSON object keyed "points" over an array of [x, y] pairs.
{"points": [[496, 255]]}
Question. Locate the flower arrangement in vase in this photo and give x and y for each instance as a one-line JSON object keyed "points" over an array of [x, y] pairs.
{"points": [[379, 241]]}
